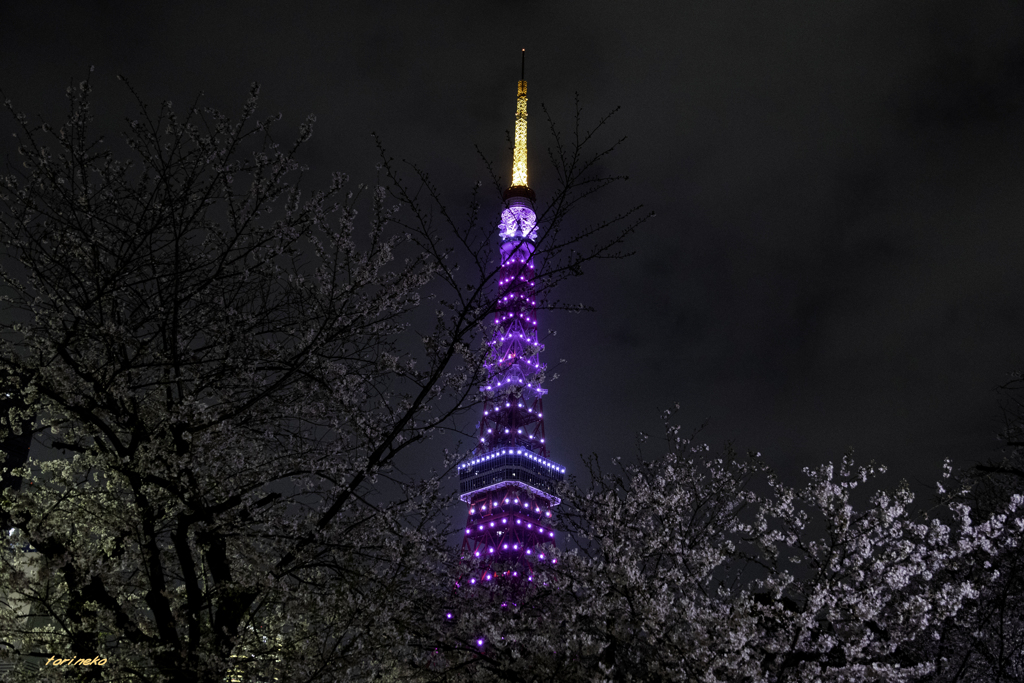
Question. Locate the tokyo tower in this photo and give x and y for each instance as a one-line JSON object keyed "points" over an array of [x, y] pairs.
{"points": [[508, 481]]}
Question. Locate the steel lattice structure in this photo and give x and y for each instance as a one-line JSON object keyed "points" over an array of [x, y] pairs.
{"points": [[509, 481]]}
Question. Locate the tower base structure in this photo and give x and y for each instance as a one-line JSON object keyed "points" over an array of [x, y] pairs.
{"points": [[510, 493], [509, 525]]}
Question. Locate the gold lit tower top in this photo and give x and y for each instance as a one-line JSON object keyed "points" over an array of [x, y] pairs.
{"points": [[520, 187]]}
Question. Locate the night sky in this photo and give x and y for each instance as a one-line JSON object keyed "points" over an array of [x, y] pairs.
{"points": [[838, 254]]}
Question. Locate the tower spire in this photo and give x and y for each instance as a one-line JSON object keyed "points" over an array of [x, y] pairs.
{"points": [[520, 187]]}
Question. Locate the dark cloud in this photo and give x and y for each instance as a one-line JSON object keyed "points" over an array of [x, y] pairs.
{"points": [[836, 260]]}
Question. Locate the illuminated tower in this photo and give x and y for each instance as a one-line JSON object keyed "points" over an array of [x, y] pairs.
{"points": [[508, 481]]}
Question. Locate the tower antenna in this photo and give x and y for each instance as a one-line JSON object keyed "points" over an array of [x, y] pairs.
{"points": [[520, 187]]}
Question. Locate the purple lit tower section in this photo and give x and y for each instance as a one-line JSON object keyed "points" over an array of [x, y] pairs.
{"points": [[508, 481]]}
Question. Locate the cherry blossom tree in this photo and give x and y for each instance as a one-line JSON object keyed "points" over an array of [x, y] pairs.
{"points": [[985, 642], [694, 566], [221, 368]]}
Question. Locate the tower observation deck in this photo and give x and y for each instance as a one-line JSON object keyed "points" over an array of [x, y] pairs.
{"points": [[509, 481]]}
